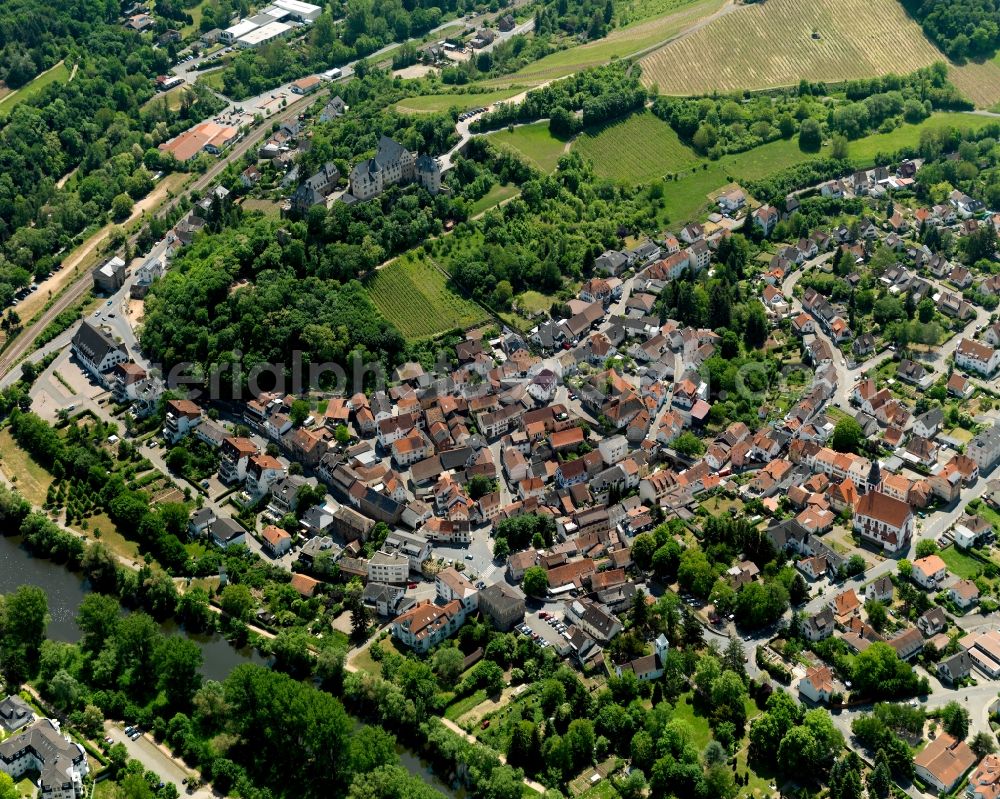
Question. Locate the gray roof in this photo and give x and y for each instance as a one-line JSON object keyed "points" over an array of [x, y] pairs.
{"points": [[54, 753], [15, 713], [94, 343]]}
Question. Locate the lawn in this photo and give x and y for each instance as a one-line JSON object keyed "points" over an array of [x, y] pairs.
{"points": [[34, 86], [363, 660], [430, 103], [110, 536], [603, 790], [26, 788], [961, 564], [495, 195], [174, 98], [31, 479], [535, 301], [212, 79], [638, 149], [780, 42], [413, 294], [696, 723], [534, 142]]}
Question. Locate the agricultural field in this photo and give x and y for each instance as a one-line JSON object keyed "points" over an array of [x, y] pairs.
{"points": [[639, 149], [60, 72], [780, 42], [414, 295], [979, 82], [534, 142], [621, 42], [431, 103]]}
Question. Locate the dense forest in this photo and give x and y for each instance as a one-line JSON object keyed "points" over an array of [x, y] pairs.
{"points": [[553, 231], [101, 124], [961, 28], [194, 315], [33, 39], [599, 95]]}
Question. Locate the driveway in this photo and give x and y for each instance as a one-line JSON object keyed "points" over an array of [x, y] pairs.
{"points": [[152, 757]]}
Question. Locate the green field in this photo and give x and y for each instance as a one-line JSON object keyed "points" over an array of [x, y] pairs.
{"points": [[534, 142], [697, 724], [496, 195], [864, 150], [637, 150], [960, 564], [60, 72], [212, 79], [413, 295], [430, 103]]}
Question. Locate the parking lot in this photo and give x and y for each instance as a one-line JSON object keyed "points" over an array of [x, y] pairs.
{"points": [[477, 556], [546, 632]]}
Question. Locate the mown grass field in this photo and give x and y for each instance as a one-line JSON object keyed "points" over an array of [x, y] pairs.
{"points": [[625, 41], [865, 150], [60, 72], [771, 44], [413, 295], [212, 79], [431, 103], [494, 196], [637, 150], [534, 142]]}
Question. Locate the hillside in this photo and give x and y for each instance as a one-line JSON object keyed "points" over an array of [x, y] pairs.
{"points": [[771, 44]]}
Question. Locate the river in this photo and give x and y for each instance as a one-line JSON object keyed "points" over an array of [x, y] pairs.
{"points": [[65, 591]]}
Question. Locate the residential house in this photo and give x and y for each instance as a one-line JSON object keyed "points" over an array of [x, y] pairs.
{"points": [[15, 714], [59, 763], [182, 416], [907, 643], [928, 572], [225, 532], [943, 762], [594, 619], [426, 625], [977, 357], [109, 276], [388, 567], [817, 685], [955, 669], [820, 626], [275, 541], [451, 585], [964, 594], [984, 449], [932, 621]]}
